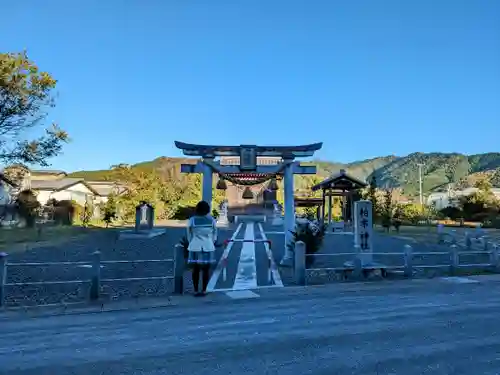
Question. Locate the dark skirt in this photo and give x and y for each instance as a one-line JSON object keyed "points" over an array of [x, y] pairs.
{"points": [[201, 257]]}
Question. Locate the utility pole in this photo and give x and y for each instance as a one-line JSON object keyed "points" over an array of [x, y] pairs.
{"points": [[420, 165]]}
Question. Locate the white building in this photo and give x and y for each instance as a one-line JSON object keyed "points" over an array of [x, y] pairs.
{"points": [[105, 188], [54, 184], [442, 199], [72, 189]]}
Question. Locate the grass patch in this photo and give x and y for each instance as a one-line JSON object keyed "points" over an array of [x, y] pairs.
{"points": [[12, 238]]}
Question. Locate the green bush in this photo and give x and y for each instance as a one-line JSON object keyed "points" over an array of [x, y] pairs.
{"points": [[312, 238], [492, 222], [184, 212], [66, 211]]}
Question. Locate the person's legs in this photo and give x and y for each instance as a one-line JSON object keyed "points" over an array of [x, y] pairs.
{"points": [[206, 277], [196, 277]]}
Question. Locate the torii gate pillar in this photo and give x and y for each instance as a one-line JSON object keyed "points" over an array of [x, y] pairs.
{"points": [[289, 215], [206, 183], [248, 162]]}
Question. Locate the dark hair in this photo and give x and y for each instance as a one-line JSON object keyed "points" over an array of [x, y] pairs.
{"points": [[202, 209]]}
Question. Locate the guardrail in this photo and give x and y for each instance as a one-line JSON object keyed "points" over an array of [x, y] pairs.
{"points": [[300, 270], [95, 281]]}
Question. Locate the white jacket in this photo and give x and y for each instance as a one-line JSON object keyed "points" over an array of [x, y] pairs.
{"points": [[201, 233]]}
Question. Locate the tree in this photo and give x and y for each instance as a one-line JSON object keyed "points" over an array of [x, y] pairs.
{"points": [[387, 209], [109, 211], [87, 213], [28, 206], [25, 95], [372, 196], [481, 204], [484, 185]]}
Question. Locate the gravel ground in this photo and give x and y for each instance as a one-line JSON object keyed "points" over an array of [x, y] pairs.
{"points": [[71, 283]]}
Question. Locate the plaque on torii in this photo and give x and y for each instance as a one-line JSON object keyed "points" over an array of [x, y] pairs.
{"points": [[248, 163]]}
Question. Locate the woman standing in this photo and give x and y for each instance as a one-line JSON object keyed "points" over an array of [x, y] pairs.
{"points": [[202, 235]]}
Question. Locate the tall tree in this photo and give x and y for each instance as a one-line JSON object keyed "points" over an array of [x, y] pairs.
{"points": [[372, 196], [25, 96]]}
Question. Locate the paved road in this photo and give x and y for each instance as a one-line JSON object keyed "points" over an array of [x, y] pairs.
{"points": [[406, 328]]}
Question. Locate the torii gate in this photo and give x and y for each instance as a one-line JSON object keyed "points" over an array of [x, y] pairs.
{"points": [[248, 154]]}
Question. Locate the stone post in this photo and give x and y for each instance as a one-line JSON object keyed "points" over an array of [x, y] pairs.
{"points": [[151, 216], [179, 267], [3, 277], [479, 231], [484, 242], [408, 258], [454, 259], [358, 268], [300, 263], [207, 181], [468, 241], [453, 237], [95, 285], [137, 218], [440, 233], [289, 213], [494, 258]]}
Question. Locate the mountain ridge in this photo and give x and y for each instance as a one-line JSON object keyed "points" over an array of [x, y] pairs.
{"points": [[438, 171]]}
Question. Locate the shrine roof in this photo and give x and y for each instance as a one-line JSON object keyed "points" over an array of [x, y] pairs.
{"points": [[202, 150], [340, 181]]}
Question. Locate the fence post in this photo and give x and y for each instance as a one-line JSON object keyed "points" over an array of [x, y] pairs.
{"points": [[453, 236], [408, 257], [179, 267], [3, 277], [468, 241], [440, 233], [300, 263], [95, 286], [494, 257], [485, 243], [358, 268], [454, 259]]}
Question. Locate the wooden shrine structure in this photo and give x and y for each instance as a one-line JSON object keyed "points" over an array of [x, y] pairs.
{"points": [[248, 172], [340, 185], [310, 202]]}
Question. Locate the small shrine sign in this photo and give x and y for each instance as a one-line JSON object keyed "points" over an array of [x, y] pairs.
{"points": [[363, 230]]}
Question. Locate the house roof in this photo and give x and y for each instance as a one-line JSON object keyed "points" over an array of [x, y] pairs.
{"points": [[342, 181], [105, 190], [48, 171], [60, 184]]}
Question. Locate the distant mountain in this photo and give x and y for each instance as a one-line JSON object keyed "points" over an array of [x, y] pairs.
{"points": [[438, 170]]}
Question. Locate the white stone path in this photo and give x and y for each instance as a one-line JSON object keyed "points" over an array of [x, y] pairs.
{"points": [[246, 271]]}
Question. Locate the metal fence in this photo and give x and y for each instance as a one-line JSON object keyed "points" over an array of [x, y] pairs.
{"points": [[407, 256], [95, 281]]}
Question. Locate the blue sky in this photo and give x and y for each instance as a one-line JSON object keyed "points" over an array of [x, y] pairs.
{"points": [[368, 78]]}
